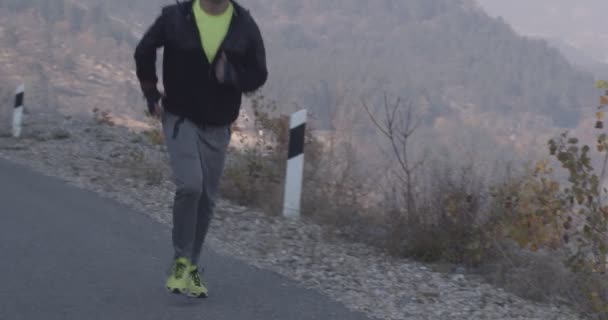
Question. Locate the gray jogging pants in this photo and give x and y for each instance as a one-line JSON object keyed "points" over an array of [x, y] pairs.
{"points": [[197, 155]]}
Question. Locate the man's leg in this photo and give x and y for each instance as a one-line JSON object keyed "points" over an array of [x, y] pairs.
{"points": [[181, 138], [213, 144]]}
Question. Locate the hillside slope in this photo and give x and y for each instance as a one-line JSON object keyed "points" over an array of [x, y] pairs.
{"points": [[452, 59], [581, 24], [73, 58], [468, 73]]}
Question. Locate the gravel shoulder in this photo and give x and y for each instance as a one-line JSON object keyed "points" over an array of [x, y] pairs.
{"points": [[124, 166]]}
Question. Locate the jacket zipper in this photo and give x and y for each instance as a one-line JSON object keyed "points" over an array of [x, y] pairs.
{"points": [[231, 26], [192, 22], [221, 47]]}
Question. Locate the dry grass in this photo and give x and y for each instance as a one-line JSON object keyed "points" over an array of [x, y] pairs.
{"points": [[455, 225], [252, 178], [452, 217], [140, 167], [103, 117], [155, 136]]}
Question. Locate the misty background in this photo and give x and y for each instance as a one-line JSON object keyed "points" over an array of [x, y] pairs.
{"points": [[577, 25], [492, 78]]}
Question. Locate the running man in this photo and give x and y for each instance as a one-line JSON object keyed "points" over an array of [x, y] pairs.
{"points": [[213, 54]]}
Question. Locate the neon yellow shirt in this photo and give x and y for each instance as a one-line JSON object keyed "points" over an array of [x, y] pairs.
{"points": [[212, 28]]}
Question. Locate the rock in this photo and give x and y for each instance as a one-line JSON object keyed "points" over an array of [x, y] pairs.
{"points": [[14, 147], [61, 134], [429, 292], [458, 278]]}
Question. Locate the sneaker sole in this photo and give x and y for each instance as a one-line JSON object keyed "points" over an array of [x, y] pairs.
{"points": [[200, 296], [176, 290]]}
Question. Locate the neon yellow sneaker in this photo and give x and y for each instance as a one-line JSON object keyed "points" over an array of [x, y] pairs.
{"points": [[196, 287], [177, 281]]}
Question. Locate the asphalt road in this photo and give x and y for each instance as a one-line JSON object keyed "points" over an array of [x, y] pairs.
{"points": [[69, 254]]}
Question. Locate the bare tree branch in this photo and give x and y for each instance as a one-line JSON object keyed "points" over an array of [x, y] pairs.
{"points": [[398, 127], [374, 120]]}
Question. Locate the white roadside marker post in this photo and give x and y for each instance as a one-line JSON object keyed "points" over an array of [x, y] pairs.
{"points": [[295, 165], [18, 111]]}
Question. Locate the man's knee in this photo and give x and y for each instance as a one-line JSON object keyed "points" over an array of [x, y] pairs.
{"points": [[193, 190]]}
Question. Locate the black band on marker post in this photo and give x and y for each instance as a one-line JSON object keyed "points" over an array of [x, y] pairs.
{"points": [[296, 141]]}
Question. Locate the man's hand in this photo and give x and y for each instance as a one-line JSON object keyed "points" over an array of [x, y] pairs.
{"points": [[155, 109], [220, 68], [158, 110], [224, 71]]}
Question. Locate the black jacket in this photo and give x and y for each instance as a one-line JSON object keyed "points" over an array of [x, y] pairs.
{"points": [[191, 87]]}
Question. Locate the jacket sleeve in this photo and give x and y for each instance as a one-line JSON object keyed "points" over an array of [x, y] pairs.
{"points": [[254, 73], [145, 59]]}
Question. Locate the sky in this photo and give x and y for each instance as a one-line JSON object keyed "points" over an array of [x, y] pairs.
{"points": [[578, 23]]}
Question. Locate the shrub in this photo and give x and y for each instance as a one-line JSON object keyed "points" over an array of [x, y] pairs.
{"points": [[254, 174], [567, 216]]}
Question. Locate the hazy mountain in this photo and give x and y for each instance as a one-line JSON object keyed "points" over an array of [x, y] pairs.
{"points": [[459, 65], [72, 57], [581, 58], [443, 52], [580, 24]]}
